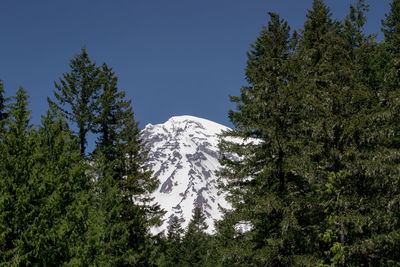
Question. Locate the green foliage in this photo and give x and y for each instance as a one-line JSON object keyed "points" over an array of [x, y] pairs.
{"points": [[58, 208], [311, 168], [43, 191], [3, 113], [174, 253], [123, 182], [391, 25], [268, 119], [63, 195], [112, 112], [15, 192], [76, 95], [316, 146], [196, 243], [233, 246]]}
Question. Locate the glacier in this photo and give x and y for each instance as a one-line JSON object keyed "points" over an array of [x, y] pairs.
{"points": [[183, 154]]}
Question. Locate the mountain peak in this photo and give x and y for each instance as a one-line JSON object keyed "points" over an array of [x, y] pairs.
{"points": [[185, 120], [183, 153]]}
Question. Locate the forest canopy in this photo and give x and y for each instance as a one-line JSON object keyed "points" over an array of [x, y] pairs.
{"points": [[316, 178]]}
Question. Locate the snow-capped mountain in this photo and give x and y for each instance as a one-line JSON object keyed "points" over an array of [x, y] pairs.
{"points": [[183, 154]]}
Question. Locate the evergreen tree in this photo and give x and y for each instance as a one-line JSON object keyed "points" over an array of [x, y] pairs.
{"points": [[363, 49], [389, 58], [112, 110], [372, 235], [341, 147], [233, 243], [15, 194], [174, 248], [198, 222], [3, 114], [391, 25], [43, 191], [317, 27], [61, 191], [327, 98], [195, 243], [124, 182], [264, 186], [76, 95]]}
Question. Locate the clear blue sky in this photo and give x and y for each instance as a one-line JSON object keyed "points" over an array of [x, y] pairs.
{"points": [[176, 57]]}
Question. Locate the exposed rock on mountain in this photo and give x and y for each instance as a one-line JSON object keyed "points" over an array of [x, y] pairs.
{"points": [[184, 156]]}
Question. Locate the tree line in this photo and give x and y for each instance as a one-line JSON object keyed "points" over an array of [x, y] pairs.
{"points": [[315, 180]]}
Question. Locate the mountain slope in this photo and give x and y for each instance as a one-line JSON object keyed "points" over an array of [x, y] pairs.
{"points": [[183, 154]]}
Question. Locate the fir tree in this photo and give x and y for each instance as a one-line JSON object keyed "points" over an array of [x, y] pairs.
{"points": [[112, 109], [3, 113], [319, 23], [174, 248], [265, 183], [15, 194], [327, 97], [372, 235], [340, 140], [44, 190], [391, 25], [76, 95], [123, 181], [195, 243], [62, 192], [233, 244], [390, 57], [390, 60], [362, 48]]}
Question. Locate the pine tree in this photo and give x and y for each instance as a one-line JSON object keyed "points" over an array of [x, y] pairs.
{"points": [[364, 51], [44, 189], [371, 234], [198, 222], [233, 244], [389, 58], [3, 101], [174, 249], [124, 182], [326, 96], [76, 95], [15, 170], [340, 136], [265, 188], [195, 243], [318, 25], [389, 92], [391, 25], [112, 106], [62, 192], [139, 181]]}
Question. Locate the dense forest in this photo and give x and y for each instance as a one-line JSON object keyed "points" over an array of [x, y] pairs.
{"points": [[316, 180]]}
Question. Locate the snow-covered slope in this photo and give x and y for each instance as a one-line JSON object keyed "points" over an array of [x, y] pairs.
{"points": [[184, 156]]}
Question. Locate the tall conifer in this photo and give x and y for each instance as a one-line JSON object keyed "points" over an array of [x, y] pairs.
{"points": [[44, 189], [15, 194], [340, 137], [391, 25], [196, 242], [76, 95], [3, 113], [264, 183], [374, 236], [124, 182], [63, 190], [174, 252]]}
